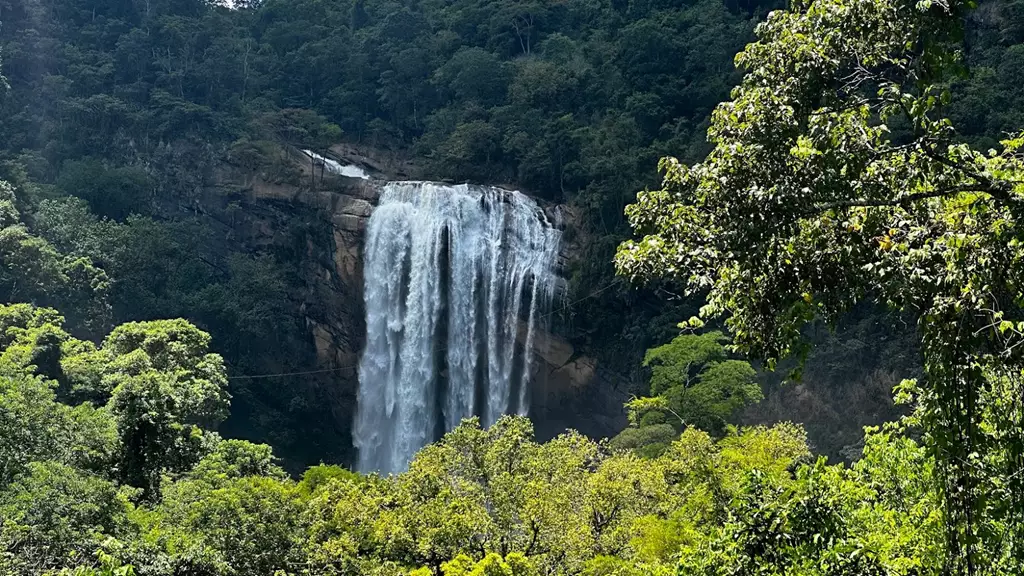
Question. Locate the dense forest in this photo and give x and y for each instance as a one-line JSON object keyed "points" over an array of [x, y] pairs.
{"points": [[119, 113], [864, 157]]}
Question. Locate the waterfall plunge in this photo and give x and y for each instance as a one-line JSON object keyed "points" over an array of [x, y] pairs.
{"points": [[450, 273]]}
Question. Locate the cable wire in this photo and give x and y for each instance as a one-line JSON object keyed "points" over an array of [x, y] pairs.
{"points": [[342, 368]]}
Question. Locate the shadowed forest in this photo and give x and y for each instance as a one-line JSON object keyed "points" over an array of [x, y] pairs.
{"points": [[789, 221]]}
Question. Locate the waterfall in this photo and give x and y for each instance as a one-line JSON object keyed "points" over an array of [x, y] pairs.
{"points": [[454, 275]]}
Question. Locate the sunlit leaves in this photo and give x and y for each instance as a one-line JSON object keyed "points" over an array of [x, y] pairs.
{"points": [[808, 204]]}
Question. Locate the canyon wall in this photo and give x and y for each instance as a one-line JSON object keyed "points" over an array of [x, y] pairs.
{"points": [[569, 389]]}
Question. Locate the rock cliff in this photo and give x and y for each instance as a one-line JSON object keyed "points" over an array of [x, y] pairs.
{"points": [[571, 390]]}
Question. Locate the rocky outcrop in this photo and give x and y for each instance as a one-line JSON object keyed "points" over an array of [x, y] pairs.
{"points": [[571, 390]]}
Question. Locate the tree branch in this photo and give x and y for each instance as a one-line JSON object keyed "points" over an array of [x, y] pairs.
{"points": [[995, 192], [534, 533], [993, 188]]}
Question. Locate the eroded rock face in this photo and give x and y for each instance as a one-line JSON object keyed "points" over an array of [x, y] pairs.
{"points": [[570, 389]]}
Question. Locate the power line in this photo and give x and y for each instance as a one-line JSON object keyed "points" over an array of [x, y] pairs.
{"points": [[342, 368], [292, 373], [587, 297]]}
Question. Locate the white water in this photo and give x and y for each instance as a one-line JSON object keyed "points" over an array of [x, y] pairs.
{"points": [[334, 167], [450, 273]]}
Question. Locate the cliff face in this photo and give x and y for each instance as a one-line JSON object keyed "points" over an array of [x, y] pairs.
{"points": [[570, 389]]}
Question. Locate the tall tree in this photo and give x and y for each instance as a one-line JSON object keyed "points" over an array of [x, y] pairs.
{"points": [[836, 177]]}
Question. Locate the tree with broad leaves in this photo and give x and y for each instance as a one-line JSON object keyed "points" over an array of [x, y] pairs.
{"points": [[836, 177], [693, 384]]}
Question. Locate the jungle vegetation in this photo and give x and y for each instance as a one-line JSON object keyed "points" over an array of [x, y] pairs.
{"points": [[866, 155], [119, 114]]}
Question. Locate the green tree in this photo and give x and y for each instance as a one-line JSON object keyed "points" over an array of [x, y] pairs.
{"points": [[556, 505], [169, 393], [250, 526], [35, 342], [175, 349], [55, 516], [514, 564], [32, 270], [232, 459], [882, 516], [39, 365], [111, 192], [32, 426], [108, 566], [807, 205], [693, 383]]}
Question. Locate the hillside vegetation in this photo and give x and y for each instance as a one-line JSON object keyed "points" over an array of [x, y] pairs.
{"points": [[120, 113], [109, 463], [863, 158]]}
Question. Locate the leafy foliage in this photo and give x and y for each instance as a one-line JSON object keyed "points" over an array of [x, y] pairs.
{"points": [[693, 383], [479, 502], [33, 270], [808, 204]]}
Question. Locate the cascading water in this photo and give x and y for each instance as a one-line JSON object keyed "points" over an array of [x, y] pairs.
{"points": [[451, 273]]}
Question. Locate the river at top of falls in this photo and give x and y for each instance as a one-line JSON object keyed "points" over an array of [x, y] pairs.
{"points": [[335, 167], [451, 273]]}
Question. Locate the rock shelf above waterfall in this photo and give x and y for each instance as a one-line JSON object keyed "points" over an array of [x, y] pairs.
{"points": [[335, 167]]}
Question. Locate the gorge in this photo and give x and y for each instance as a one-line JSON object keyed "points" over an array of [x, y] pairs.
{"points": [[349, 246]]}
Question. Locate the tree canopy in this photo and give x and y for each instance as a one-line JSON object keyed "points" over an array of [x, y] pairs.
{"points": [[132, 481], [836, 177], [693, 384], [863, 157]]}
